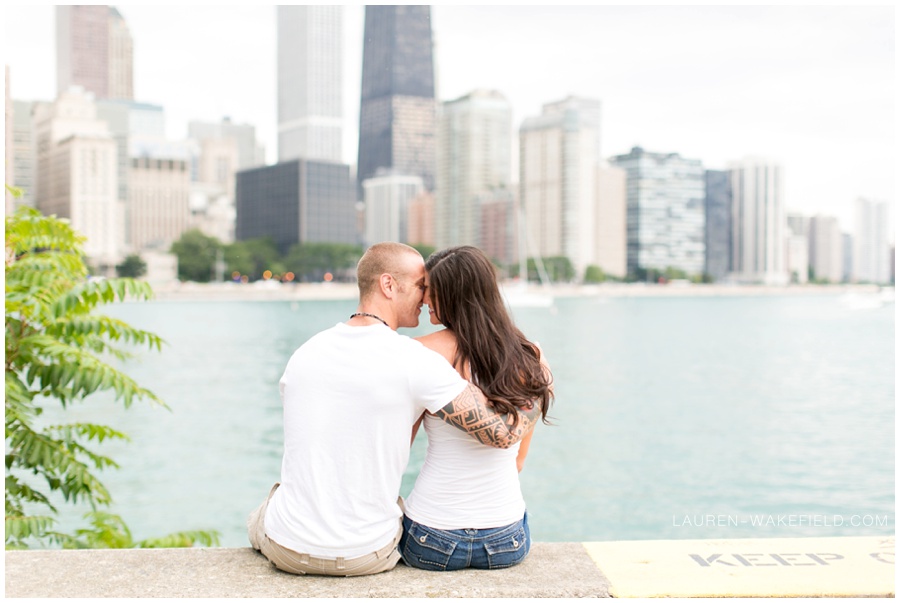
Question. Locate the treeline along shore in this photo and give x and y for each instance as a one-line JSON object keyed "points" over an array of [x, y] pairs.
{"points": [[276, 291]]}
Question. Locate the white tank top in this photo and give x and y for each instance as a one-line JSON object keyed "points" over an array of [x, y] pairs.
{"points": [[465, 484]]}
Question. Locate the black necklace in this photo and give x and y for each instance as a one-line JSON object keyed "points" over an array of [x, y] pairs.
{"points": [[370, 316]]}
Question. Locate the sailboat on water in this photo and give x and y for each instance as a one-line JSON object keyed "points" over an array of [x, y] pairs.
{"points": [[520, 294]]}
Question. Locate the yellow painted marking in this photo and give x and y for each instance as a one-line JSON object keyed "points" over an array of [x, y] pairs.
{"points": [[753, 567]]}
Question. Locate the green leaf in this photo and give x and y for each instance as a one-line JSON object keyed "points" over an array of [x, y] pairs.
{"points": [[55, 340]]}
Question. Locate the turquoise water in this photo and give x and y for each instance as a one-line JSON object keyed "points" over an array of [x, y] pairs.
{"points": [[694, 417]]}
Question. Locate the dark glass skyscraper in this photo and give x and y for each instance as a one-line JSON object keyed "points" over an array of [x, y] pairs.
{"points": [[296, 201], [397, 106]]}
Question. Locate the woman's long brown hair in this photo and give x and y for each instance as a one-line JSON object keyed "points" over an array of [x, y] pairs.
{"points": [[501, 361]]}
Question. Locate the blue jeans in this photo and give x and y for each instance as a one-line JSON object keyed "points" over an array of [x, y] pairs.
{"points": [[444, 550]]}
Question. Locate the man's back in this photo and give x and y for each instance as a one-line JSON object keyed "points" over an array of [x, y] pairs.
{"points": [[351, 395]]}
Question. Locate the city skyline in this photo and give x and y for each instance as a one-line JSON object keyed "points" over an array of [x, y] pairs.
{"points": [[817, 96]]}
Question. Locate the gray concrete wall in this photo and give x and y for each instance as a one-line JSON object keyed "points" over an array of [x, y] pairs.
{"points": [[551, 570], [753, 567]]}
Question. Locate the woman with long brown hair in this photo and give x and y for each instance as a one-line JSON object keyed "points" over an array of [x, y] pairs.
{"points": [[466, 508]]}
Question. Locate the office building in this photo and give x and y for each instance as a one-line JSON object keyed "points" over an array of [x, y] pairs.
{"points": [[498, 236], [666, 222], [297, 201], [847, 246], [758, 221], [250, 153], [718, 204], [826, 249], [94, 50], [610, 234], [797, 248], [397, 105], [474, 142], [21, 166], [387, 197], [310, 82], [558, 154], [420, 219], [129, 123], [871, 250], [158, 199], [77, 166]]}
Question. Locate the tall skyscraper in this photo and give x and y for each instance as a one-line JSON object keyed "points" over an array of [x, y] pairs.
{"points": [[758, 221], [558, 154], [474, 142], [871, 251], [718, 224], [94, 50], [666, 216], [397, 106], [310, 82]]}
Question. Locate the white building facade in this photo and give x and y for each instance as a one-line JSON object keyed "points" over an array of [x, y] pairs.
{"points": [[310, 85], [77, 173], [474, 142], [826, 248], [610, 233], [558, 155]]}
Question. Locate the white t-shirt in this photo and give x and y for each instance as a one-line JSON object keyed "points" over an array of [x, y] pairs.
{"points": [[464, 484], [351, 396]]}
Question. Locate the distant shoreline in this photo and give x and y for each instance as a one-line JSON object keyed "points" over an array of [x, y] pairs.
{"points": [[274, 291]]}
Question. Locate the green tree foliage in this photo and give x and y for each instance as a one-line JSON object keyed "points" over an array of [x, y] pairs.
{"points": [[253, 257], [310, 261], [196, 256], [54, 346], [594, 274], [559, 268], [132, 267], [655, 275]]}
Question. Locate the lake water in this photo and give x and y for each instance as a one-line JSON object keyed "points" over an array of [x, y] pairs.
{"points": [[675, 417]]}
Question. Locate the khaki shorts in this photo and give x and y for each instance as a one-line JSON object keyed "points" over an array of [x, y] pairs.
{"points": [[291, 561]]}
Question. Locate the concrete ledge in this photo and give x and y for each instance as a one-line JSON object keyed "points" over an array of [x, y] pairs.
{"points": [[774, 567], [551, 570]]}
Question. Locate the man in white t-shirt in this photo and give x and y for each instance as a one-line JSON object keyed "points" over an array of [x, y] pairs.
{"points": [[351, 395]]}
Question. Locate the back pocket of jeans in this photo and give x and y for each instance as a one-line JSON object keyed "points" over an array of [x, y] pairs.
{"points": [[426, 548], [506, 550]]}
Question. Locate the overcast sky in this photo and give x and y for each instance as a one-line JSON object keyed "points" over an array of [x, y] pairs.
{"points": [[809, 86]]}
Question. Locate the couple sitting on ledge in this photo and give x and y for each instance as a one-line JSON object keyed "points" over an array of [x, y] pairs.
{"points": [[354, 397]]}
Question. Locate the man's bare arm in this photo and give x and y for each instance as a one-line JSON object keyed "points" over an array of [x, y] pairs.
{"points": [[470, 412]]}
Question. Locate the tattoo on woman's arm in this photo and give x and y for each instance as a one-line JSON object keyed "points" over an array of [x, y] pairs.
{"points": [[470, 413]]}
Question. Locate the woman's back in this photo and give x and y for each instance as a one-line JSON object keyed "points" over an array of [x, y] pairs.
{"points": [[463, 484]]}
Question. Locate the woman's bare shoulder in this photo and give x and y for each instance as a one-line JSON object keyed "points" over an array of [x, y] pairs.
{"points": [[442, 342], [442, 337]]}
